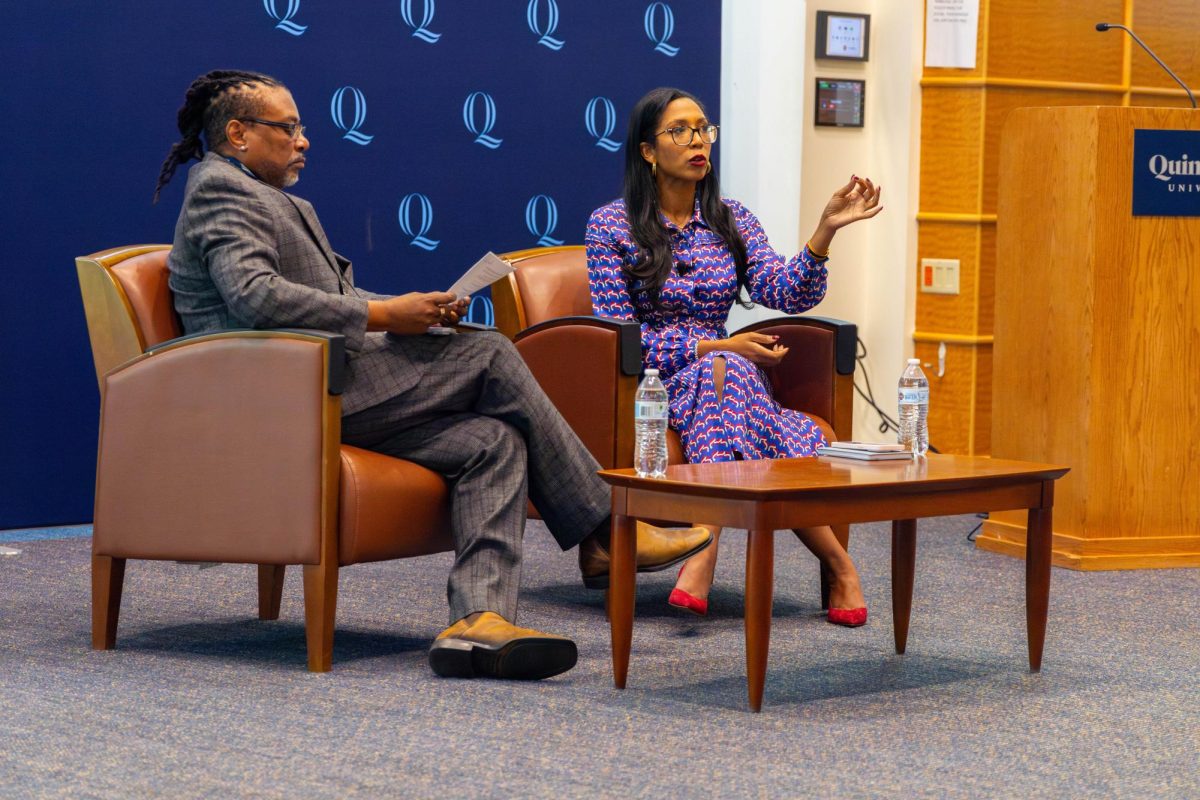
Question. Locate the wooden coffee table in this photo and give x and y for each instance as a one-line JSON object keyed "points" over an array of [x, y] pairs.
{"points": [[765, 496]]}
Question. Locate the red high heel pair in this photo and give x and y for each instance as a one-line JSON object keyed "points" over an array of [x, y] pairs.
{"points": [[682, 600]]}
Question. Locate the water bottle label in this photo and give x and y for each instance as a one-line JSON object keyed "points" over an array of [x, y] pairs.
{"points": [[914, 394], [644, 409]]}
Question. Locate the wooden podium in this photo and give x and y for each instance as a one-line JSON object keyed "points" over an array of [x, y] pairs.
{"points": [[1097, 341]]}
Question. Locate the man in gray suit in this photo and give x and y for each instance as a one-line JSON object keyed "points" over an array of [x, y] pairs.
{"points": [[249, 255]]}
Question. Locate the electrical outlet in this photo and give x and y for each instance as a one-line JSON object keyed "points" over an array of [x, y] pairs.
{"points": [[939, 275]]}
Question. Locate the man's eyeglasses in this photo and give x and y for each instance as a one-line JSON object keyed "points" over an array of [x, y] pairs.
{"points": [[294, 129], [682, 135]]}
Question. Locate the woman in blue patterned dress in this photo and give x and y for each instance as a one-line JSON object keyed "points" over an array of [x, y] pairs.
{"points": [[675, 256]]}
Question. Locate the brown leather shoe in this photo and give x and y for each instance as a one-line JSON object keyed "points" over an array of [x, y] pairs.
{"points": [[492, 647], [656, 549]]}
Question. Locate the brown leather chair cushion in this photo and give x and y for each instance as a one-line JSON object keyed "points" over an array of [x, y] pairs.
{"points": [[586, 405], [144, 280], [390, 508], [557, 287]]}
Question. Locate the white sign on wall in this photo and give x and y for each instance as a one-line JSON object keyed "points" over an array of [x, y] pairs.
{"points": [[950, 31]]}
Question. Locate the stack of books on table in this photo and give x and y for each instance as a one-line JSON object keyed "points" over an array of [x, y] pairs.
{"points": [[865, 451]]}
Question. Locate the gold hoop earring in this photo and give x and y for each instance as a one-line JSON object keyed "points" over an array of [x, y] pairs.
{"points": [[708, 169], [653, 169]]}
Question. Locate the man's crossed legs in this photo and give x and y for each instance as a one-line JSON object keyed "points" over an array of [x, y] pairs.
{"points": [[478, 417]]}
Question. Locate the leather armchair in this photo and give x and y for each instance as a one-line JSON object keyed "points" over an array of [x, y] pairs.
{"points": [[590, 366], [226, 447]]}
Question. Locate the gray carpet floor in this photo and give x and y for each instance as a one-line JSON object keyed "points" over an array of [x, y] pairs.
{"points": [[203, 700]]}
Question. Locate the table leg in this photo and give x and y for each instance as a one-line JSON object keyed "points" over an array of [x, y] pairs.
{"points": [[904, 560], [760, 581], [622, 576], [1037, 581]]}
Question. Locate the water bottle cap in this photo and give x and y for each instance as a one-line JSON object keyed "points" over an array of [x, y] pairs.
{"points": [[651, 372], [914, 361]]}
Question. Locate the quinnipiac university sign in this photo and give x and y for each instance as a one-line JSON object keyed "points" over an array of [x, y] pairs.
{"points": [[1166, 173]]}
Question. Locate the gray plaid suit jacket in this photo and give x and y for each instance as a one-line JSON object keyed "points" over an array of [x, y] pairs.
{"points": [[247, 255]]}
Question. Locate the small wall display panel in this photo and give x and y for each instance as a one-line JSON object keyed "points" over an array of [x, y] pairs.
{"points": [[839, 102], [843, 36]]}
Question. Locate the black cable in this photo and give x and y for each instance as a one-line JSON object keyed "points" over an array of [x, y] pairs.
{"points": [[886, 422], [971, 534]]}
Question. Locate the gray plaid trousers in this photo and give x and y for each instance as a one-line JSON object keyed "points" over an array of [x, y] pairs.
{"points": [[477, 416]]}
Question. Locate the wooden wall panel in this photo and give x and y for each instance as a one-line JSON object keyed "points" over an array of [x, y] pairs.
{"points": [[982, 444], [1169, 28], [952, 134], [951, 397], [1054, 40], [986, 283], [1178, 100], [948, 313]]}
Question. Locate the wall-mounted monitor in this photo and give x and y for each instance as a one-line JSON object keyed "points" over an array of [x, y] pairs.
{"points": [[839, 102], [843, 36]]}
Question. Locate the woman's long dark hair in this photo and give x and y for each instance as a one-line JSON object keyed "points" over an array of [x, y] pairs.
{"points": [[654, 264], [211, 101]]}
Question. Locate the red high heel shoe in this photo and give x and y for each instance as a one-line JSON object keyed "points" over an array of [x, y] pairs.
{"points": [[682, 600], [849, 617]]}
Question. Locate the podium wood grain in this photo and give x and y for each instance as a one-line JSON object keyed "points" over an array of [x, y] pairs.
{"points": [[1097, 341]]}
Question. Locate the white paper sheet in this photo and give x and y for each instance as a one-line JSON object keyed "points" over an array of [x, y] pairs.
{"points": [[485, 271], [951, 27]]}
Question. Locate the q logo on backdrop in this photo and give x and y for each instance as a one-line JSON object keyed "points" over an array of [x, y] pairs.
{"points": [[337, 106], [489, 119], [660, 36], [487, 312], [424, 210], [420, 29], [285, 23], [600, 130], [534, 217], [546, 34]]}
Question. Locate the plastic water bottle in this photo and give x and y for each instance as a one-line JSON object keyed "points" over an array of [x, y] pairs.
{"points": [[914, 408], [650, 427]]}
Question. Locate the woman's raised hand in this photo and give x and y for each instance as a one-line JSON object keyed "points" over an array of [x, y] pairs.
{"points": [[858, 199]]}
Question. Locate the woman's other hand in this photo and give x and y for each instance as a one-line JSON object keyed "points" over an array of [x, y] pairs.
{"points": [[758, 347]]}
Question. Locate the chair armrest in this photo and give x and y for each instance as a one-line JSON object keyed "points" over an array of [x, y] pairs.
{"points": [[335, 347], [588, 367], [817, 376], [219, 447], [844, 334], [629, 335]]}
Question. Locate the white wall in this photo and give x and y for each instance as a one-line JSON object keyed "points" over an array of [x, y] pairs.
{"points": [[769, 144], [762, 117]]}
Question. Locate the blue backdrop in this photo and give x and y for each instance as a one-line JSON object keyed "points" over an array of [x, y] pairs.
{"points": [[439, 129]]}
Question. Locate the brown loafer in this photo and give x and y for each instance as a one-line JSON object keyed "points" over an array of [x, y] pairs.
{"points": [[492, 647], [656, 549]]}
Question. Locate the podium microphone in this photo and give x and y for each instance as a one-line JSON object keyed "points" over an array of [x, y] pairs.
{"points": [[1103, 26]]}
